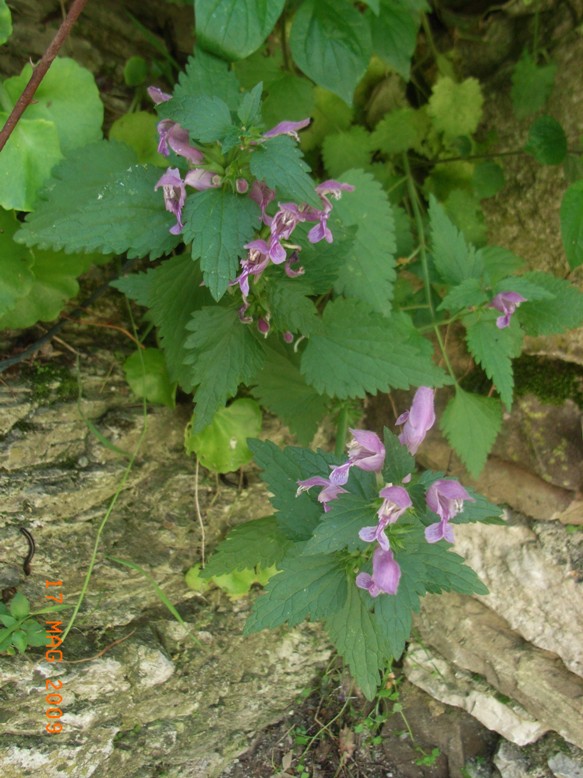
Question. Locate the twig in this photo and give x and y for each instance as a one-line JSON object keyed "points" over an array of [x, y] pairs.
{"points": [[40, 71], [199, 514]]}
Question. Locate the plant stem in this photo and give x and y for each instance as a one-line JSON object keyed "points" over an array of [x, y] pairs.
{"points": [[341, 431], [40, 70]]}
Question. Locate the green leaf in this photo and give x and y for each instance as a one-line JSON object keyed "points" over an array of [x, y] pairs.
{"points": [[298, 516], [100, 200], [547, 141], [308, 587], [16, 275], [523, 286], [235, 28], [532, 85], [138, 131], [479, 510], [368, 271], [222, 445], [465, 295], [147, 375], [345, 150], [400, 130], [19, 640], [5, 22], [219, 223], [330, 114], [572, 224], [499, 262], [135, 71], [465, 211], [398, 461], [222, 353], [494, 349], [456, 109], [394, 613], [454, 259], [255, 543], [339, 528], [278, 161], [208, 75], [26, 162], [249, 111], [549, 317], [322, 261], [263, 65], [330, 41], [355, 634], [288, 98], [446, 570], [206, 118], [356, 352], [488, 179], [68, 97], [19, 606], [394, 35], [290, 307], [471, 424], [282, 389]]}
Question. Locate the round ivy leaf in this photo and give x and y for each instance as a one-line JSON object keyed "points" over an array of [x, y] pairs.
{"points": [[221, 446], [5, 22], [135, 71], [147, 375], [547, 141], [138, 130]]}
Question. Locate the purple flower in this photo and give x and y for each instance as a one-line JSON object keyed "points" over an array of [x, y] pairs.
{"points": [[418, 421], [242, 185], [201, 179], [262, 195], [263, 326], [321, 231], [287, 128], [366, 451], [253, 265], [174, 196], [175, 137], [506, 303], [328, 493], [386, 574], [396, 501], [292, 260], [446, 499], [157, 96]]}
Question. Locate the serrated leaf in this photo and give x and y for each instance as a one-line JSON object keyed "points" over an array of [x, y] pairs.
{"points": [[281, 388], [147, 375], [219, 223], [523, 286], [532, 85], [26, 162], [572, 224], [400, 130], [290, 307], [311, 587], [465, 211], [456, 109], [547, 141], [264, 65], [398, 461], [465, 295], [222, 445], [208, 75], [298, 516], [249, 111], [368, 271], [345, 150], [355, 634], [356, 352], [233, 29], [322, 261], [258, 542], [471, 424], [330, 41], [454, 259], [68, 97], [549, 317], [394, 35], [446, 571], [98, 199], [394, 613], [16, 275], [499, 262], [278, 161], [223, 353], [478, 510], [493, 349], [289, 98], [339, 527], [206, 118]]}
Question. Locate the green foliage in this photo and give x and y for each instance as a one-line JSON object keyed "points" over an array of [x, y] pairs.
{"points": [[330, 42], [135, 71], [398, 461], [85, 206], [5, 22], [532, 85], [219, 223], [572, 224], [339, 529], [222, 445], [367, 273], [289, 97], [494, 349], [456, 109], [138, 130], [147, 375], [547, 141], [454, 260], [548, 316], [222, 354], [207, 75], [279, 163], [401, 130], [235, 28], [345, 150], [471, 424], [255, 543], [394, 34], [20, 630]]}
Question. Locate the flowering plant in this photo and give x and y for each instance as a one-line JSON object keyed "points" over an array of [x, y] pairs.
{"points": [[362, 580]]}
